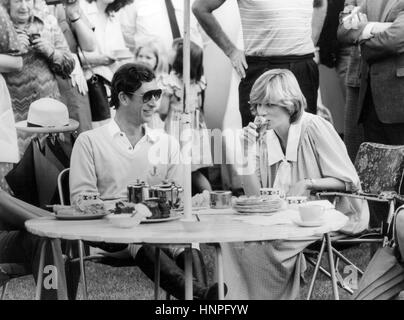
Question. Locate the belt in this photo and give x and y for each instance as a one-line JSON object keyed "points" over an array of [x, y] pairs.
{"points": [[280, 59]]}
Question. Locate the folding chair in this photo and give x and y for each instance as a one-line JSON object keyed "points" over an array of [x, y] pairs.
{"points": [[381, 172], [9, 271], [64, 195]]}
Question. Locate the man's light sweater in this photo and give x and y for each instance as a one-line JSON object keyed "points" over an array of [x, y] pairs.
{"points": [[100, 162]]}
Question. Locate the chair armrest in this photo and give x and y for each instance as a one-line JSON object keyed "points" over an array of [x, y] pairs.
{"points": [[382, 197], [399, 198]]}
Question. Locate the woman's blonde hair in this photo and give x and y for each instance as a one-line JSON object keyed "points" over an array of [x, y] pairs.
{"points": [[158, 51], [279, 87]]}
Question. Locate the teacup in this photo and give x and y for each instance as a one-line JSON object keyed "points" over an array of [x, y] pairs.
{"points": [[311, 213], [295, 202], [271, 192]]}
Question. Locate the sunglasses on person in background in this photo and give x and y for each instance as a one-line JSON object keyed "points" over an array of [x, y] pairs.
{"points": [[148, 95]]}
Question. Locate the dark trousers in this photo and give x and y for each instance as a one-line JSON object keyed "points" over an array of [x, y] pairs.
{"points": [[17, 246], [21, 247], [375, 130], [172, 276], [303, 67]]}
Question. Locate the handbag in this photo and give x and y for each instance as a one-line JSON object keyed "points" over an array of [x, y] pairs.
{"points": [[97, 94], [384, 276]]}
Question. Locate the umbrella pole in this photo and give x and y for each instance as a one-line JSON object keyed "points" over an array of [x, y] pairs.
{"points": [[186, 123], [186, 126]]}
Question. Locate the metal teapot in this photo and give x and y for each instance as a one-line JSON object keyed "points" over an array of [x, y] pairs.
{"points": [[169, 192]]}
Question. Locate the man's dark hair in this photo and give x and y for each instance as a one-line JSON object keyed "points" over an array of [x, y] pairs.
{"points": [[129, 78]]}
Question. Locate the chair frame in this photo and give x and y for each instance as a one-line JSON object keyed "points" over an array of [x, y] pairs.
{"points": [[386, 197], [381, 237], [82, 258]]}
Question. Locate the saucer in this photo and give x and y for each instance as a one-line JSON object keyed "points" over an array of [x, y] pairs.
{"points": [[315, 223]]}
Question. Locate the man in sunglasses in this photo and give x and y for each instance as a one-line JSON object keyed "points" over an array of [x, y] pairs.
{"points": [[107, 159]]}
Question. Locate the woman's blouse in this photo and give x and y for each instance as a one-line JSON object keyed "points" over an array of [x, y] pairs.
{"points": [[37, 77], [10, 45], [314, 150], [172, 85], [108, 36]]}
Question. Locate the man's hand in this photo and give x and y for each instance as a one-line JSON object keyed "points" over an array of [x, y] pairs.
{"points": [[355, 19], [238, 62]]}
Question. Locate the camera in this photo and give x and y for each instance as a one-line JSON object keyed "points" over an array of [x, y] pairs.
{"points": [[32, 37], [53, 2]]}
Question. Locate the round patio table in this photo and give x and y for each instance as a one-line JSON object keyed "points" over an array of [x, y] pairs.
{"points": [[211, 226]]}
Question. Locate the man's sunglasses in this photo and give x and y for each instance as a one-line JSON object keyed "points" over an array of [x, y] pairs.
{"points": [[148, 95]]}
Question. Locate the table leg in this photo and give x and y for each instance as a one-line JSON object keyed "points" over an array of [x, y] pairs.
{"points": [[157, 275], [332, 270], [82, 269], [188, 274], [40, 269], [3, 292], [220, 276]]}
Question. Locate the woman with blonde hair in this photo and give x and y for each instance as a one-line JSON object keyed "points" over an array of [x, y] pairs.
{"points": [[297, 152]]}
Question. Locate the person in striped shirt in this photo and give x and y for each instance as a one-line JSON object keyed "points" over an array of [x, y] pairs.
{"points": [[277, 34]]}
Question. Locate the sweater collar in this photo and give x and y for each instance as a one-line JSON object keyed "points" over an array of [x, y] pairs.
{"points": [[114, 130]]}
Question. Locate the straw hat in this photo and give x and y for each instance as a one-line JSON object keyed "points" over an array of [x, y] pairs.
{"points": [[47, 115]]}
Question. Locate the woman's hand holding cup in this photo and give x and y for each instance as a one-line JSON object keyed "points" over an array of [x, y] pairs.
{"points": [[249, 136]]}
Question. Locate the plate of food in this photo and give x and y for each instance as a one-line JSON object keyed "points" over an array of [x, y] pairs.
{"points": [[158, 211], [122, 54], [174, 215], [73, 213], [257, 204], [88, 206]]}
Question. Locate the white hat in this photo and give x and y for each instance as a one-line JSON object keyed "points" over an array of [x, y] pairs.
{"points": [[47, 115]]}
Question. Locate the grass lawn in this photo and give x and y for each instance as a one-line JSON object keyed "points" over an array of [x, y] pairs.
{"points": [[106, 283]]}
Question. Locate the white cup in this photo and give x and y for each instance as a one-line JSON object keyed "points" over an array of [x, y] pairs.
{"points": [[310, 213], [271, 192], [296, 202]]}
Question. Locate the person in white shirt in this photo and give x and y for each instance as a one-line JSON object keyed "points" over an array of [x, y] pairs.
{"points": [[144, 19], [108, 158]]}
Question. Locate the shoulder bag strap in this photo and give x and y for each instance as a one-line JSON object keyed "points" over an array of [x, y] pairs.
{"points": [[173, 20]]}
